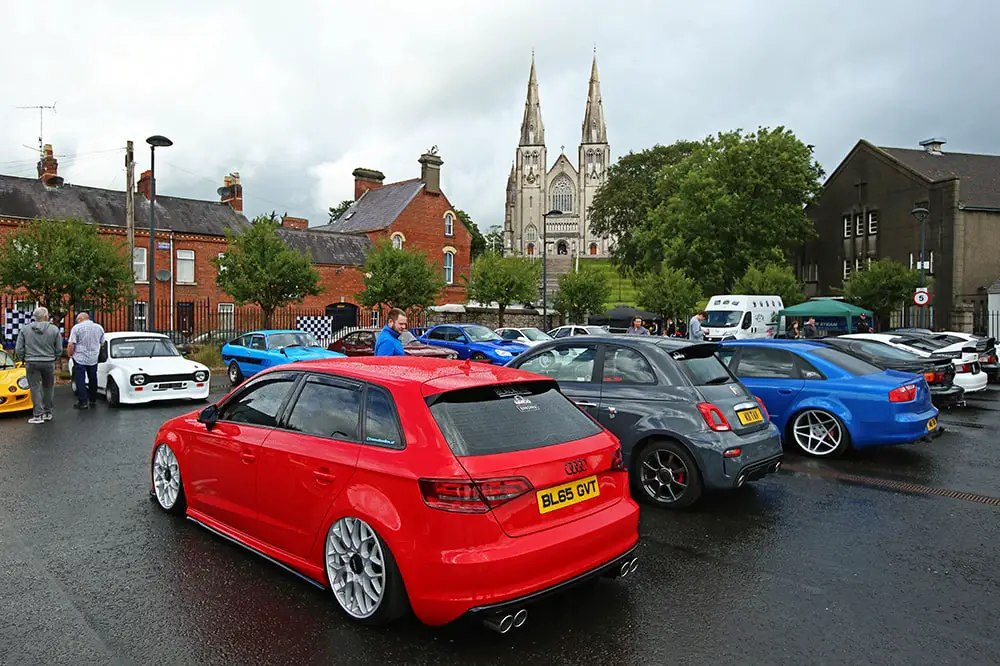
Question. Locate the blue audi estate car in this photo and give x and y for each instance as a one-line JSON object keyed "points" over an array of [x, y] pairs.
{"points": [[258, 350]]}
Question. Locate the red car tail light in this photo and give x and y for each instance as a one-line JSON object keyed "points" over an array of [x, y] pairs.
{"points": [[472, 496], [987, 358], [903, 393], [760, 402], [935, 377], [714, 417], [733, 453], [965, 367], [617, 461]]}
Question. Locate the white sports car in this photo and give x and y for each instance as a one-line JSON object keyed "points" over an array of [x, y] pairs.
{"points": [[142, 367], [968, 369]]}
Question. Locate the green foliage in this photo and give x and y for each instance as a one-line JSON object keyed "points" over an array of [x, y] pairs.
{"points": [[208, 355], [66, 263], [772, 280], [669, 292], [402, 279], [340, 209], [504, 281], [622, 206], [259, 268], [623, 289], [478, 240], [494, 239], [582, 293], [885, 286]]}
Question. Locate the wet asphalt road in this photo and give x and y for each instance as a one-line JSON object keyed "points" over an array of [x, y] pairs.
{"points": [[799, 568]]}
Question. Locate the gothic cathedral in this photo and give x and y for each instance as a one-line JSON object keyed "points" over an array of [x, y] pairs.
{"points": [[534, 190]]}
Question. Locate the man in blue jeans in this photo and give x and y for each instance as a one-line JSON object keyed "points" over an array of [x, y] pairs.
{"points": [[85, 342], [388, 343]]}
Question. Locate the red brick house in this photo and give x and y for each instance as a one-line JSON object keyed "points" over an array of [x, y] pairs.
{"points": [[413, 214]]}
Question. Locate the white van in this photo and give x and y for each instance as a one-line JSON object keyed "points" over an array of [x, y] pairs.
{"points": [[741, 317]]}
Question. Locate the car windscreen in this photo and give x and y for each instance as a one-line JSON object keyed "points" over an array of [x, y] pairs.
{"points": [[596, 330], [481, 334], [535, 335], [6, 362], [279, 340], [923, 344], [501, 419], [407, 338], [849, 364], [722, 318], [142, 348], [882, 350]]}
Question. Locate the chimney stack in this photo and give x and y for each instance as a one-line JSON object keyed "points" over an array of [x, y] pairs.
{"points": [[933, 146], [430, 171], [290, 222], [48, 167], [366, 179], [145, 182], [232, 192]]}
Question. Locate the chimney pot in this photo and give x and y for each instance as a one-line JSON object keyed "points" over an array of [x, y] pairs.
{"points": [[290, 222], [430, 172], [235, 195], [933, 145], [143, 187], [48, 165], [366, 179]]}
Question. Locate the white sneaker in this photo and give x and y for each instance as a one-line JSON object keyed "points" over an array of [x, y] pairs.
{"points": [[46, 417], [36, 419]]}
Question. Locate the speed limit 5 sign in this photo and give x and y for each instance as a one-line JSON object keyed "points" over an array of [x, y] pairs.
{"points": [[921, 297]]}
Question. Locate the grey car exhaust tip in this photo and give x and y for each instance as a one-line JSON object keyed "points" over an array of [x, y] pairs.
{"points": [[502, 623], [628, 566], [740, 481], [777, 466], [633, 565], [520, 617]]}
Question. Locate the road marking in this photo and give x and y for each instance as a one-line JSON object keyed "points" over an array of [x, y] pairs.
{"points": [[900, 486]]}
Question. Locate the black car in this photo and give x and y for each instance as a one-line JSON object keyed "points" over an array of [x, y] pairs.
{"points": [[938, 372], [686, 424]]}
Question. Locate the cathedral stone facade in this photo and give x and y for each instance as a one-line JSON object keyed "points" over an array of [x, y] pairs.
{"points": [[534, 190]]}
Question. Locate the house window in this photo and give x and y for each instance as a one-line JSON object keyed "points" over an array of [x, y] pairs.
{"points": [[930, 262], [872, 222], [562, 196], [397, 241], [185, 266], [139, 316], [449, 224], [531, 234], [449, 268], [531, 249], [227, 317], [847, 269], [859, 224], [858, 265], [139, 264], [847, 226]]}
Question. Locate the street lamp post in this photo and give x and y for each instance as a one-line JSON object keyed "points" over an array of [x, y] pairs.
{"points": [[921, 215], [545, 265], [154, 142]]}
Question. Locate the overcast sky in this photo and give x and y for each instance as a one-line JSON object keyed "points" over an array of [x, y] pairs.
{"points": [[295, 95]]}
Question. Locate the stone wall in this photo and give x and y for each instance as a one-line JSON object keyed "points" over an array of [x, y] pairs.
{"points": [[513, 317]]}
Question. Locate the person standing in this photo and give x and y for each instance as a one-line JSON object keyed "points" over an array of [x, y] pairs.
{"points": [[669, 330], [637, 328], [39, 345], [388, 343], [794, 332], [810, 329], [85, 342], [863, 326], [694, 327]]}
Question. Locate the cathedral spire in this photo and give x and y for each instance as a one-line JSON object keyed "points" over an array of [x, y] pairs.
{"points": [[594, 129], [532, 129]]}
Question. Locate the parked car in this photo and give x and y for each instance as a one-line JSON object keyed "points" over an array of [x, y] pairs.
{"points": [[472, 341], [955, 342], [939, 373], [407, 483], [361, 342], [968, 371], [135, 368], [529, 335], [258, 350], [825, 400], [686, 424], [15, 394], [577, 329]]}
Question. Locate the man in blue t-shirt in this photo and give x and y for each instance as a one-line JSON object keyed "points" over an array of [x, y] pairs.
{"points": [[388, 343]]}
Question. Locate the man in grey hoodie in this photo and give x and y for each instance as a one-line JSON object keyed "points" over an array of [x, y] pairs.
{"points": [[39, 345]]}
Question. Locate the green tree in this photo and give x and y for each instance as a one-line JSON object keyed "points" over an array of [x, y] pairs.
{"points": [[478, 240], [504, 281], [737, 200], [340, 209], [494, 239], [884, 287], [582, 293], [66, 264], [772, 280], [622, 205], [260, 268], [402, 279], [669, 292]]}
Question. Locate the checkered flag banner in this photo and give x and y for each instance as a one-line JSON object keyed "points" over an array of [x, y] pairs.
{"points": [[320, 327], [14, 321]]}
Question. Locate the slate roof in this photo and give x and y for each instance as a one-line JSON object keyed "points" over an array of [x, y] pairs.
{"points": [[30, 198], [327, 247], [376, 209], [979, 174]]}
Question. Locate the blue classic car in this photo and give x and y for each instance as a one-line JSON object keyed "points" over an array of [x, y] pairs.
{"points": [[473, 341], [825, 400], [255, 351]]}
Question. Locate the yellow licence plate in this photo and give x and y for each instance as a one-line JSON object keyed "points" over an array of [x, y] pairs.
{"points": [[750, 416], [568, 494], [932, 424]]}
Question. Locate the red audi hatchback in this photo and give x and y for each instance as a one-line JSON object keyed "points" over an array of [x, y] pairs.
{"points": [[407, 483]]}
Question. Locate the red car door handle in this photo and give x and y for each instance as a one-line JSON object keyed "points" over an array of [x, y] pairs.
{"points": [[248, 457], [324, 477]]}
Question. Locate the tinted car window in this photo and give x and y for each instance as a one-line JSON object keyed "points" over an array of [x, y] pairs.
{"points": [[510, 334], [381, 425], [705, 371], [326, 409], [561, 333], [726, 355], [566, 363], [846, 362], [627, 366], [259, 404], [761, 363], [501, 419], [437, 334], [881, 350], [257, 342]]}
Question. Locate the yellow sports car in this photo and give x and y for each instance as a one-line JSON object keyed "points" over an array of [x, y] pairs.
{"points": [[14, 394]]}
